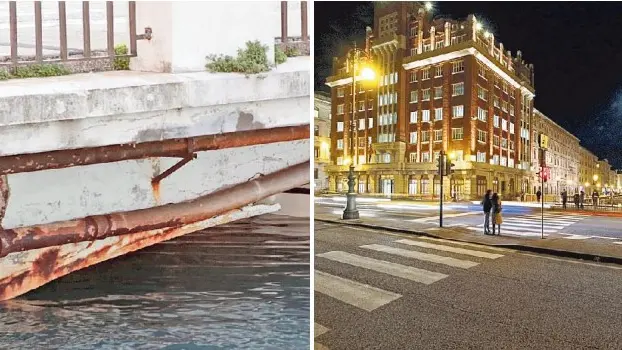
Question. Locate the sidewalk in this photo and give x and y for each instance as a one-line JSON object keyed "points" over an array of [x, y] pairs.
{"points": [[596, 250]]}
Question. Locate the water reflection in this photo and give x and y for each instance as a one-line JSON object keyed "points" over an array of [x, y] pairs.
{"points": [[243, 285]]}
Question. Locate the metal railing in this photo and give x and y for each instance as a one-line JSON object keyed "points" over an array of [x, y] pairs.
{"points": [[75, 51], [301, 43]]}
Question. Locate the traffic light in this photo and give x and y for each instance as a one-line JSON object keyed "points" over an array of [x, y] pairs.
{"points": [[449, 167], [440, 165]]}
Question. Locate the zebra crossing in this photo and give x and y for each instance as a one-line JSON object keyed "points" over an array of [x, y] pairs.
{"points": [[531, 225], [369, 298]]}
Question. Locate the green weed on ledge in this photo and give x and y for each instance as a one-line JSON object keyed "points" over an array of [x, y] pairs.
{"points": [[35, 71], [251, 60]]}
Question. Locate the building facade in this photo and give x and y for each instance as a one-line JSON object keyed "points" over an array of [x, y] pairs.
{"points": [[562, 157], [442, 84], [322, 141]]}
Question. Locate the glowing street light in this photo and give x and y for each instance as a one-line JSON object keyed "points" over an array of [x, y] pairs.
{"points": [[478, 26], [429, 6], [595, 177], [367, 74], [487, 34]]}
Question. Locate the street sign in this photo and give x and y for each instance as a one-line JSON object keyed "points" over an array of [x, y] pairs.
{"points": [[545, 173], [543, 141]]}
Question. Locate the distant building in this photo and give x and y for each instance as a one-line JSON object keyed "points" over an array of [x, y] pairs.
{"points": [[321, 136], [563, 156]]}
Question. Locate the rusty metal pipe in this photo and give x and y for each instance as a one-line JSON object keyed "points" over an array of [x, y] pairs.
{"points": [[166, 148], [170, 215]]}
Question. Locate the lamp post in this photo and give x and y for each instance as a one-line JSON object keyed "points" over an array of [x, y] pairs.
{"points": [[359, 61]]}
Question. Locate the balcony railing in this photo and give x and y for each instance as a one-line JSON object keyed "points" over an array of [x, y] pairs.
{"points": [[300, 41], [77, 35]]}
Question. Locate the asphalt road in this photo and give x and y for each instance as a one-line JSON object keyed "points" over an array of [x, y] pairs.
{"points": [[377, 290], [518, 220]]}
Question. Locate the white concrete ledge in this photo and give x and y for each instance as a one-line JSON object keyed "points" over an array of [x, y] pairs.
{"points": [[87, 110]]}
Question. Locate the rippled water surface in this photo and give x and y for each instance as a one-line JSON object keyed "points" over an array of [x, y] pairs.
{"points": [[243, 285]]}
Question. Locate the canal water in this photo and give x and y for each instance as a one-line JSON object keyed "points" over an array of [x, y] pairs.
{"points": [[239, 286]]}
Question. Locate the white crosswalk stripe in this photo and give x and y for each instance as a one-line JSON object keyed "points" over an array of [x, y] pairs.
{"points": [[463, 264], [319, 329], [389, 268], [531, 225], [357, 294], [450, 249], [369, 298]]}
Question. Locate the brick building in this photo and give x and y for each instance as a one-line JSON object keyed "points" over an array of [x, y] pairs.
{"points": [[443, 84], [321, 140]]}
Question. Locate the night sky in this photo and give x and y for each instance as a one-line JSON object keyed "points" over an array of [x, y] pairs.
{"points": [[576, 50]]}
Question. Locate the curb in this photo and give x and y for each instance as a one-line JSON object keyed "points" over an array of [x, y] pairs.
{"points": [[547, 251]]}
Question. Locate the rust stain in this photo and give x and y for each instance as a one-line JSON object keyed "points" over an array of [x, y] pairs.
{"points": [[48, 265], [169, 215], [155, 186], [4, 196]]}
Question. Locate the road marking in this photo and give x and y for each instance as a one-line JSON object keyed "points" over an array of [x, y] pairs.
{"points": [[445, 248], [512, 232], [318, 346], [511, 227], [617, 242], [362, 296], [319, 329], [577, 237], [463, 264], [389, 268], [572, 261], [530, 225], [474, 245], [444, 216]]}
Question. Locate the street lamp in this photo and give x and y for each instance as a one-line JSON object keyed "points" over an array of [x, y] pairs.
{"points": [[361, 71]]}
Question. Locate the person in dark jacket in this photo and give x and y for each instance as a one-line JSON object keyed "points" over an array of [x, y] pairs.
{"points": [[495, 210], [487, 206], [564, 198], [582, 199], [576, 200], [539, 195]]}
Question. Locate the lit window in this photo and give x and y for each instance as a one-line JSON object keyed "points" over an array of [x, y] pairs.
{"points": [[458, 111], [413, 76], [438, 92], [340, 144], [457, 67], [481, 157], [504, 125], [426, 95], [482, 114], [438, 135], [340, 109], [361, 124], [481, 71], [438, 70], [481, 93], [426, 74], [457, 89], [457, 133], [413, 117], [496, 121], [425, 158], [512, 128], [413, 159], [481, 136], [495, 141], [339, 126], [438, 114], [340, 92], [413, 96], [425, 136], [371, 123], [425, 116], [413, 137]]}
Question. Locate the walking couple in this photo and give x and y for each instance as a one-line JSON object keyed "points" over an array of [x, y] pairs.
{"points": [[492, 205]]}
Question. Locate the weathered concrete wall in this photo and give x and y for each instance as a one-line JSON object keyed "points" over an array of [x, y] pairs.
{"points": [[185, 32], [87, 110], [53, 195]]}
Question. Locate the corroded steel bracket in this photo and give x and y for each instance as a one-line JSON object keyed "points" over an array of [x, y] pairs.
{"points": [[99, 227], [156, 180]]}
